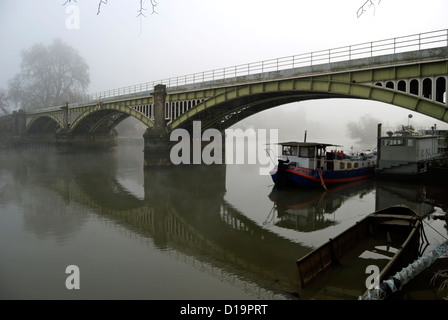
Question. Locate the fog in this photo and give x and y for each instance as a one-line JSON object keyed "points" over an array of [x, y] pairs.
{"points": [[185, 37]]}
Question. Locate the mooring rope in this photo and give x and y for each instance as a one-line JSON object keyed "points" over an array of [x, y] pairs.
{"points": [[435, 230], [319, 171]]}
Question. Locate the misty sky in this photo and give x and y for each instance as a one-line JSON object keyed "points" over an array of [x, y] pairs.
{"points": [[189, 36]]}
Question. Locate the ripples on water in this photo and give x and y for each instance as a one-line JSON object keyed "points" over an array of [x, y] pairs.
{"points": [[192, 232]]}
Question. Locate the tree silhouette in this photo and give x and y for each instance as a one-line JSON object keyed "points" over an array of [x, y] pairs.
{"points": [[49, 76], [364, 130]]}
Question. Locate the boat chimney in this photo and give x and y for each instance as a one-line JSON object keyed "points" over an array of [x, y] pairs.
{"points": [[304, 138]]}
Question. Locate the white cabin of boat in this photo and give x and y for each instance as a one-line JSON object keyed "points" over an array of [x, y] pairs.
{"points": [[313, 155], [409, 152]]}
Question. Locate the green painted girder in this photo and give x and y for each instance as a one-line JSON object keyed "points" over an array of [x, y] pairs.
{"points": [[122, 106], [353, 84], [227, 118], [108, 121], [192, 95], [233, 103]]}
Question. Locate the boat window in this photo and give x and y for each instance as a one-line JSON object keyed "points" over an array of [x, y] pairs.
{"points": [[286, 150], [304, 152], [293, 150], [321, 151], [410, 142], [356, 165], [394, 142], [312, 152], [342, 165], [349, 165]]}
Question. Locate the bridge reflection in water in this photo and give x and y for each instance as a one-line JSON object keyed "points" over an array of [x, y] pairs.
{"points": [[183, 211]]}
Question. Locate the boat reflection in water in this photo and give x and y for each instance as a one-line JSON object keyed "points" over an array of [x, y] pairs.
{"points": [[311, 209], [316, 211]]}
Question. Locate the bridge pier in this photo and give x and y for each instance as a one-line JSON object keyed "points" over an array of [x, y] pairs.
{"points": [[63, 138], [157, 144], [156, 150], [19, 124]]}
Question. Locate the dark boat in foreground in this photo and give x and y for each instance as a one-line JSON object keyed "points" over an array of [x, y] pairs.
{"points": [[344, 267]]}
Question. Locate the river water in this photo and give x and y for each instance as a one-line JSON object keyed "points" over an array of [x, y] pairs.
{"points": [[185, 232]]}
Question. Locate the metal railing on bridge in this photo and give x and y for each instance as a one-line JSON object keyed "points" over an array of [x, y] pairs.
{"points": [[408, 43]]}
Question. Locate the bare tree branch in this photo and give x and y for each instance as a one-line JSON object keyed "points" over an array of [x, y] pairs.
{"points": [[366, 6], [68, 1], [99, 5], [140, 11]]}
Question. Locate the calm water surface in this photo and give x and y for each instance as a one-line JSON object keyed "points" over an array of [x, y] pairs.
{"points": [[192, 232]]}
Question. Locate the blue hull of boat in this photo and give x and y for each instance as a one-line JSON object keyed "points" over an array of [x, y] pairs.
{"points": [[312, 179]]}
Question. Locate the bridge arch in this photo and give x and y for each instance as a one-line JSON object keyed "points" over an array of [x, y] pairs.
{"points": [[103, 118], [44, 124], [235, 104]]}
